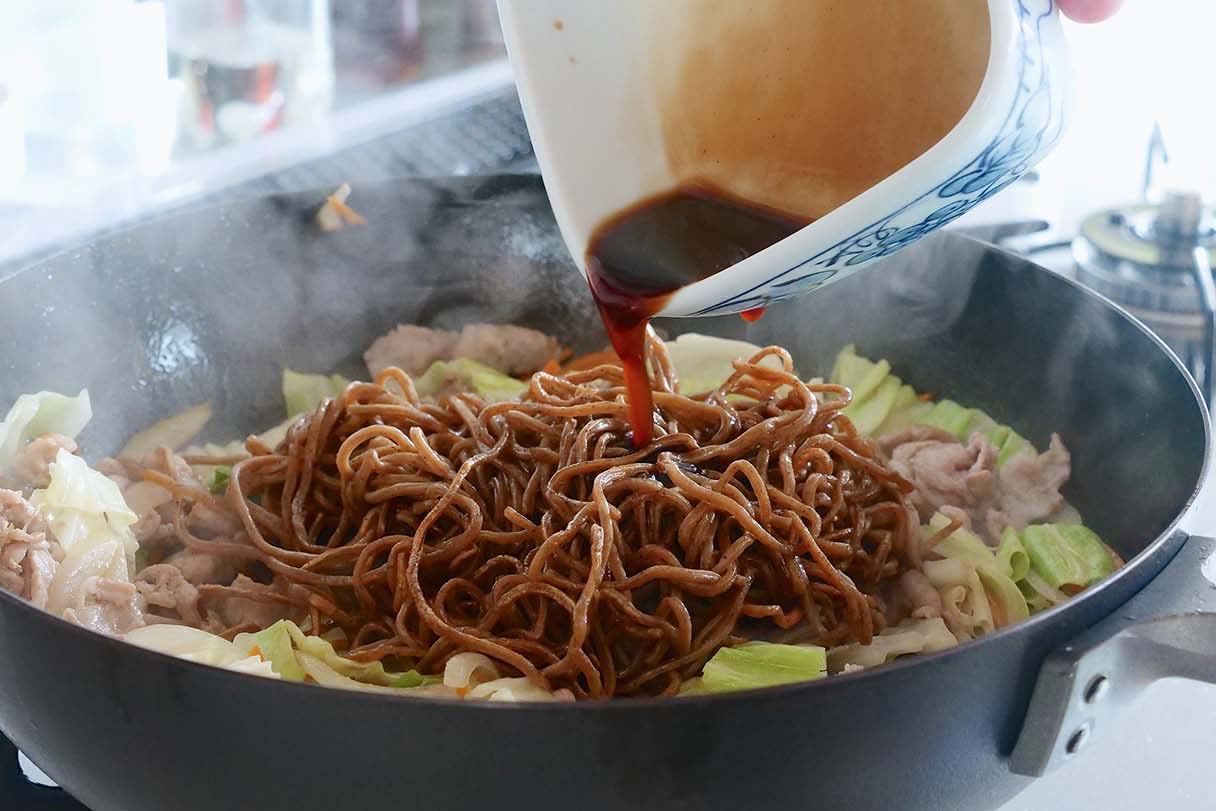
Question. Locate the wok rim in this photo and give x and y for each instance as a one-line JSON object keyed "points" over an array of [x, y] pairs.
{"points": [[625, 704]]}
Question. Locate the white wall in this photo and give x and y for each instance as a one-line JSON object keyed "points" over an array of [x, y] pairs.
{"points": [[1152, 61]]}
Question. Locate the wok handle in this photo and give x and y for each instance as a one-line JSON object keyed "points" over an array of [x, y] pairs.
{"points": [[1166, 630]]}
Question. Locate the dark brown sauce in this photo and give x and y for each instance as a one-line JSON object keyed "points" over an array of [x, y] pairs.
{"points": [[640, 256]]}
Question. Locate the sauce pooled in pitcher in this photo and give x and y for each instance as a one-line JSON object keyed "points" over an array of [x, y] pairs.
{"points": [[638, 258]]}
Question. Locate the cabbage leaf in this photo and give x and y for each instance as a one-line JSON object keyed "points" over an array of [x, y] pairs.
{"points": [[35, 414], [1006, 603], [91, 522], [284, 642], [83, 505], [961, 543], [282, 651], [963, 594], [195, 645], [219, 479], [704, 362], [1011, 555], [1066, 555], [882, 405], [762, 664], [275, 646], [909, 636], [302, 392], [466, 374]]}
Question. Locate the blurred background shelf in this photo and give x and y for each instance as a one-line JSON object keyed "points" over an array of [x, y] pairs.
{"points": [[110, 114]]}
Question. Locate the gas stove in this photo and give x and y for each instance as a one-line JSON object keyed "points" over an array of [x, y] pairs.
{"points": [[1154, 260], [23, 785]]}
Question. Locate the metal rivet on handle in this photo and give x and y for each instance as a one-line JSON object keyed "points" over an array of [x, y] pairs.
{"points": [[1097, 689], [1078, 739]]}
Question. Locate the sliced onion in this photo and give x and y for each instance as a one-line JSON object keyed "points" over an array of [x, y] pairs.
{"points": [[254, 665], [465, 670], [143, 497], [184, 642], [517, 689], [1036, 582], [273, 436], [432, 691], [82, 562], [172, 432]]}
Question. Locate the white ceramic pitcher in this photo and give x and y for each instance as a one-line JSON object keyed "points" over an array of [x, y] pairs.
{"points": [[885, 119]]}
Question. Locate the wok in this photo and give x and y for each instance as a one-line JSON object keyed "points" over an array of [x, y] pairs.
{"points": [[212, 303]]}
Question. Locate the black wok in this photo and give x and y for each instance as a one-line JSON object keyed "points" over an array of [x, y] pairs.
{"points": [[212, 303]]}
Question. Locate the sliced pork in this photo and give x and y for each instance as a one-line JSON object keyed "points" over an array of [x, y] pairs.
{"points": [[410, 348], [106, 605], [253, 603], [1030, 488], [512, 350], [163, 586], [508, 348], [947, 472], [28, 558], [16, 511], [200, 567], [32, 464], [964, 482], [26, 564], [920, 597]]}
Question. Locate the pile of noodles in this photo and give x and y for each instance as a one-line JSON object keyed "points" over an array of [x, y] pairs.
{"points": [[532, 532]]}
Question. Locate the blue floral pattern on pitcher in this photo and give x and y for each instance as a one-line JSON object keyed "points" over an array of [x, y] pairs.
{"points": [[1030, 128]]}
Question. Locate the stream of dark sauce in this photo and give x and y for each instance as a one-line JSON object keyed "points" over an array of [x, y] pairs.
{"points": [[642, 255]]}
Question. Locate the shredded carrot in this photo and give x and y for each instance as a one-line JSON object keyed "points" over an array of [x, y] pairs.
{"points": [[565, 354], [552, 367], [924, 397], [257, 651], [336, 214], [593, 359], [349, 214]]}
